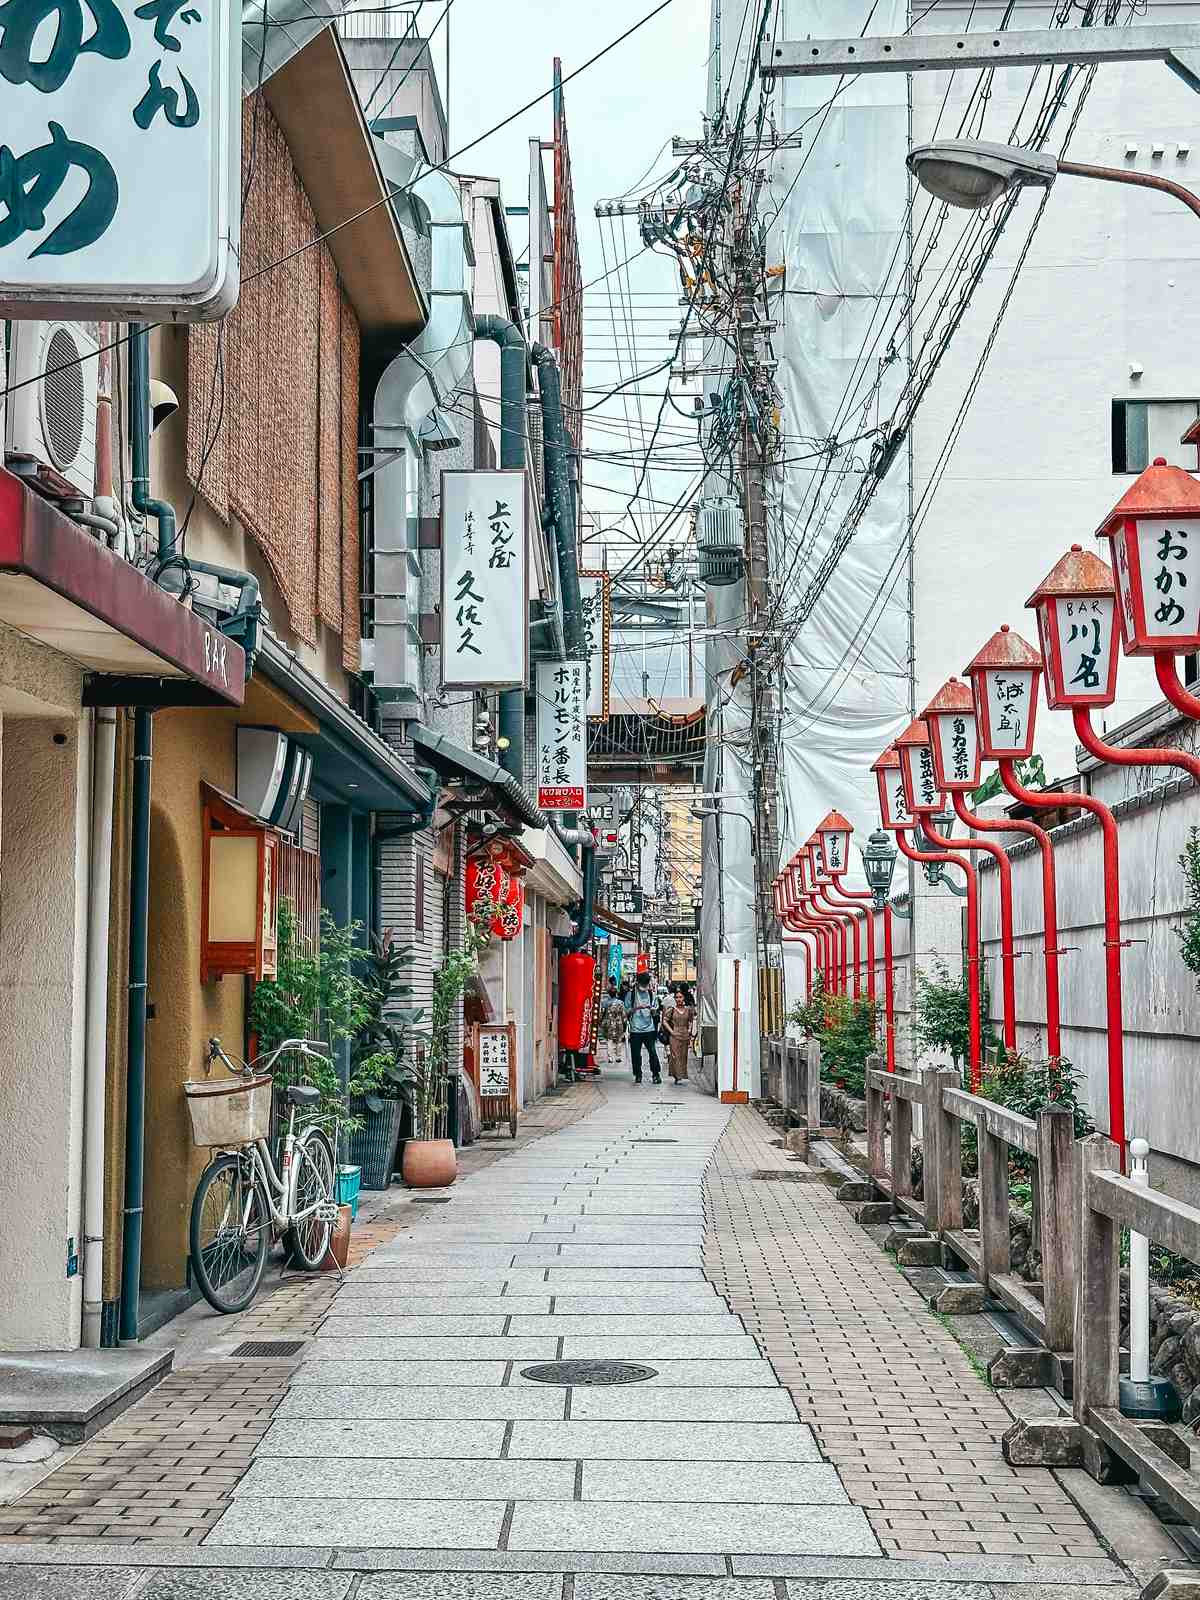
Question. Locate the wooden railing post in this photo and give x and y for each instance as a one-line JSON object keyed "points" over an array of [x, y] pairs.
{"points": [[948, 1144], [995, 1244], [876, 1130], [788, 1076], [939, 1137], [902, 1125], [813, 1089], [1058, 1201], [1098, 1316]]}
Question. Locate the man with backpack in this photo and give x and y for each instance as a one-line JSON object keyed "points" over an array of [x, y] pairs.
{"points": [[643, 1007]]}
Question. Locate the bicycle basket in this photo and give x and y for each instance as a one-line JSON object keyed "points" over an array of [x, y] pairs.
{"points": [[228, 1111]]}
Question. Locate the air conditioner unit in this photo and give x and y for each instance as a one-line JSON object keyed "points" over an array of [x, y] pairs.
{"points": [[50, 428]]}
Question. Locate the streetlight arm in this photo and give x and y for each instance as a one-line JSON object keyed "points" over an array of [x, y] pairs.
{"points": [[1140, 180], [974, 1006], [1168, 682], [1092, 742]]}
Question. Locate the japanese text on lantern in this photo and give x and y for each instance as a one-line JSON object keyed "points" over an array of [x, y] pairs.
{"points": [[118, 114], [1085, 641], [562, 735], [1169, 565], [926, 782], [1008, 707], [484, 632], [960, 755]]}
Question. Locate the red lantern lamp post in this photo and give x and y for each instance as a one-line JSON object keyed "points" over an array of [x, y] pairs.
{"points": [[823, 894], [802, 935], [833, 834], [833, 921], [799, 919], [995, 743], [1155, 534]]}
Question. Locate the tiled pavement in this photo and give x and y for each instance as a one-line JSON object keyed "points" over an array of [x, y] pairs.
{"points": [[410, 1456]]}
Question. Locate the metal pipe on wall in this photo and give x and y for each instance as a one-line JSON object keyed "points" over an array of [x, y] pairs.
{"points": [[104, 756], [135, 1082]]}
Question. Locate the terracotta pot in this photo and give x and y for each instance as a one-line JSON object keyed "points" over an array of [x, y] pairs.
{"points": [[429, 1163]]}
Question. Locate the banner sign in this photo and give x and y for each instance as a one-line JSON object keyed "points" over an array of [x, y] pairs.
{"points": [[121, 119], [595, 593], [562, 735], [485, 610], [616, 959]]}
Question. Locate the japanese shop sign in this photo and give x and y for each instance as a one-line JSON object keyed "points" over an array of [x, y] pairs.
{"points": [[835, 850], [957, 747], [495, 1061], [595, 592], [1078, 642], [926, 794], [1009, 708], [1158, 578], [562, 735], [119, 157], [485, 629]]}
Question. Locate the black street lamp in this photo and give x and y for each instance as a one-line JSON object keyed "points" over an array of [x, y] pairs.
{"points": [[879, 864]]}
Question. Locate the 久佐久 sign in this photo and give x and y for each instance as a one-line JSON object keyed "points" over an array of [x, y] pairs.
{"points": [[119, 157], [562, 735], [485, 630]]}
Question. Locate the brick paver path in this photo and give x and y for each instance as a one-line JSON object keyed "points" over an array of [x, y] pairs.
{"points": [[894, 1401]]}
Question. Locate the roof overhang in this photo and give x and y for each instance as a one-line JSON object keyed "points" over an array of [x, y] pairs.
{"points": [[334, 154], [458, 765], [553, 874], [60, 586]]}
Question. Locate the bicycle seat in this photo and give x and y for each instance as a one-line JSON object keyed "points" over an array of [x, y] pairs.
{"points": [[301, 1094]]}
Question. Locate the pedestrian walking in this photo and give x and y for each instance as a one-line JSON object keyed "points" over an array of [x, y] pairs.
{"points": [[614, 1024], [643, 1010], [679, 1020]]}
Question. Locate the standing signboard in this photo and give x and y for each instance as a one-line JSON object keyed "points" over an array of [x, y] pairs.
{"points": [[485, 605], [496, 1066], [595, 594], [562, 735], [121, 155]]}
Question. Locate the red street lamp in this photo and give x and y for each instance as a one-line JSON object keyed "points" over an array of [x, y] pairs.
{"points": [[921, 793], [833, 843], [1155, 534], [802, 935], [830, 932], [996, 661], [950, 719], [894, 810], [822, 883], [798, 920]]}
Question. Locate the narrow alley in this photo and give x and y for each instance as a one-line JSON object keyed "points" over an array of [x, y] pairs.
{"points": [[721, 1306]]}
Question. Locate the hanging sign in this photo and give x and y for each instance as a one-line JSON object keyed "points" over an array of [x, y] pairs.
{"points": [[485, 630], [562, 735], [1158, 578], [121, 119], [595, 593]]}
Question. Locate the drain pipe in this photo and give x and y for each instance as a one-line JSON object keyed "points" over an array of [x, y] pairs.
{"points": [[104, 754], [139, 443], [558, 493], [513, 357], [135, 1080]]}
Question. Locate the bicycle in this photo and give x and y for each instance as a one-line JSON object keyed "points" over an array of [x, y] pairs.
{"points": [[241, 1201]]}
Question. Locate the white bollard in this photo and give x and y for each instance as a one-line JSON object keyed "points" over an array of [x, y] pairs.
{"points": [[1139, 1273]]}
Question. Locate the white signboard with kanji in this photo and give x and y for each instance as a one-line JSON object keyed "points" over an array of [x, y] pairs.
{"points": [[562, 735], [1009, 697], [120, 157], [493, 1063], [595, 598], [485, 629]]}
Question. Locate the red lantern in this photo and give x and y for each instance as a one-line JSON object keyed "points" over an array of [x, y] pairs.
{"points": [[480, 885], [953, 739], [508, 921], [833, 842], [1155, 533], [894, 809], [1077, 624], [575, 973], [1004, 676], [921, 792]]}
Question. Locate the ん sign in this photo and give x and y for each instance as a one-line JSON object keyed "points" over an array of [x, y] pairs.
{"points": [[119, 157]]}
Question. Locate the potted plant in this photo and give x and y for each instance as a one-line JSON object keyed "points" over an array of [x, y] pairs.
{"points": [[430, 1160], [383, 1060]]}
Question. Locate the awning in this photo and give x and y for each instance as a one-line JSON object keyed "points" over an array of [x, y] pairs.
{"points": [[61, 586], [350, 761], [452, 761], [612, 923]]}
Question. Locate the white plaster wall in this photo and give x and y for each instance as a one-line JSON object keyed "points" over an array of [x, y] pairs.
{"points": [[1109, 281], [44, 798]]}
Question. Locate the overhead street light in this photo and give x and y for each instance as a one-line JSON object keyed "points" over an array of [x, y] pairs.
{"points": [[973, 173]]}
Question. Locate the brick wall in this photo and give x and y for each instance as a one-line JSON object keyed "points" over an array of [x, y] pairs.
{"points": [[272, 398]]}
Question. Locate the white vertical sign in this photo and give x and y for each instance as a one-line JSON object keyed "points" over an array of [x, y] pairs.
{"points": [[595, 598], [562, 735], [485, 629], [119, 157], [1009, 695], [1169, 570]]}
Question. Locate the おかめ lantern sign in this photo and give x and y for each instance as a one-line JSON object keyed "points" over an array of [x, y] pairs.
{"points": [[121, 155], [1155, 533], [953, 740], [485, 630], [921, 792], [1004, 676], [1077, 625], [833, 839], [894, 809], [562, 735]]}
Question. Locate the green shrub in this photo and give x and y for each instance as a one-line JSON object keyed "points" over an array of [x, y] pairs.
{"points": [[1188, 933], [848, 1032]]}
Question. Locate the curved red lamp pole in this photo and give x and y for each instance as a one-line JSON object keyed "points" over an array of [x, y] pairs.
{"points": [[851, 897], [1052, 800], [1007, 958], [973, 996], [799, 938], [889, 990], [1168, 681], [830, 920], [845, 917], [1091, 740]]}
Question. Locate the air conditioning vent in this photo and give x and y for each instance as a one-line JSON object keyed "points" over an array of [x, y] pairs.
{"points": [[50, 435]]}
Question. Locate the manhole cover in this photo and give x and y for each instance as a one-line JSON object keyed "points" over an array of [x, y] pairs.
{"points": [[581, 1372], [431, 1200], [261, 1349]]}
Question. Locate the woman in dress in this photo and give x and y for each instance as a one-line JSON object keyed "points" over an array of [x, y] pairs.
{"points": [[678, 1020]]}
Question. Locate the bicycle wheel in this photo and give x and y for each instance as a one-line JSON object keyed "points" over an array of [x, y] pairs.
{"points": [[229, 1234], [308, 1239]]}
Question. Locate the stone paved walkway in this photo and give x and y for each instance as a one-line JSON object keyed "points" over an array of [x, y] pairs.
{"points": [[412, 1456]]}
